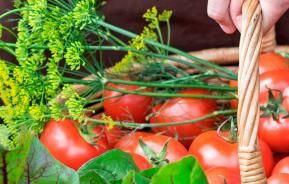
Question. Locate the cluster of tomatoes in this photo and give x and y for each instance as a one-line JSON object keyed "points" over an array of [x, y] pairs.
{"points": [[217, 156]]}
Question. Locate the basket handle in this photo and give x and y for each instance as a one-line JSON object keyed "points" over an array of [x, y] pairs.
{"points": [[269, 41], [250, 159]]}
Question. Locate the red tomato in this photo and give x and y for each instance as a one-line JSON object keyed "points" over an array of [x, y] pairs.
{"points": [[175, 150], [278, 179], [278, 80], [285, 101], [63, 141], [211, 150], [275, 133], [183, 109], [111, 135], [234, 103], [272, 61], [221, 175], [282, 166], [127, 142], [278, 156], [127, 107], [141, 162]]}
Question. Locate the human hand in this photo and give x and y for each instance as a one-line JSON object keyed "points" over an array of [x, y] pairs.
{"points": [[228, 13]]}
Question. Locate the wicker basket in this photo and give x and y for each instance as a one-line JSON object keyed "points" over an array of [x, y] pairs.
{"points": [[250, 158], [251, 44]]}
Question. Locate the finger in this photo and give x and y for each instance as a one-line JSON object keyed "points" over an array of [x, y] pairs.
{"points": [[272, 11], [219, 11], [236, 13]]}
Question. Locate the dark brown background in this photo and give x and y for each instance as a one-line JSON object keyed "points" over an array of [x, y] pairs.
{"points": [[192, 29]]}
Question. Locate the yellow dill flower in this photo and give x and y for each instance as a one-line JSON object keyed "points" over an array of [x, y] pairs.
{"points": [[37, 112], [151, 16], [55, 110], [73, 55], [165, 15], [5, 97], [4, 74], [83, 13], [74, 102], [53, 76], [137, 43], [18, 3], [149, 34], [110, 121], [124, 64], [56, 49]]}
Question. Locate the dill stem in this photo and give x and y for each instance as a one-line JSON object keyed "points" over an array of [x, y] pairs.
{"points": [[148, 125], [168, 48], [164, 85], [154, 94]]}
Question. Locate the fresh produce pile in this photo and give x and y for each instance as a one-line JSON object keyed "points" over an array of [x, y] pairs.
{"points": [[152, 118]]}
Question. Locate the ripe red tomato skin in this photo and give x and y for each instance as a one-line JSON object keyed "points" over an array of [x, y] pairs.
{"points": [[127, 142], [275, 133], [233, 103], [128, 107], [208, 141], [277, 157], [213, 151], [285, 101], [280, 178], [141, 162], [175, 150], [111, 135], [183, 109], [217, 175], [277, 79], [64, 142], [282, 166], [272, 61], [267, 156]]}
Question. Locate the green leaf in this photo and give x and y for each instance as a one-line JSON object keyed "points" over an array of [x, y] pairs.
{"points": [[92, 177], [186, 171], [42, 168], [135, 178], [149, 173], [112, 165], [129, 178], [12, 163]]}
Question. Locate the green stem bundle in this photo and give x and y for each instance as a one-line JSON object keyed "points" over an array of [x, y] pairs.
{"points": [[170, 95], [147, 125]]}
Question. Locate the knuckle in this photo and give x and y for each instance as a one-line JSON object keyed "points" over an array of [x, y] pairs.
{"points": [[216, 14]]}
